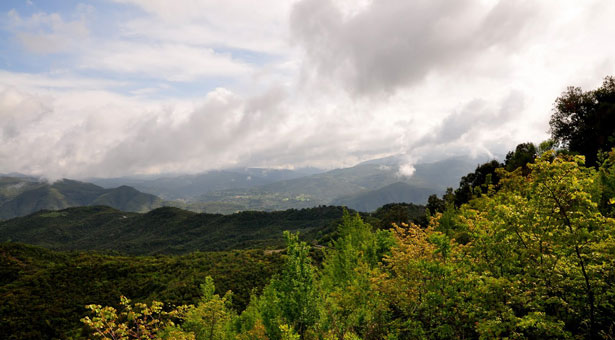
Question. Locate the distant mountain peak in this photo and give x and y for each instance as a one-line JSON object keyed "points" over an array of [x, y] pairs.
{"points": [[22, 196]]}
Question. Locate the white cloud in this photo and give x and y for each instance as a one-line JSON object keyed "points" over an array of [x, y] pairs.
{"points": [[427, 79], [59, 80], [406, 170], [48, 33], [166, 61], [240, 24], [392, 44]]}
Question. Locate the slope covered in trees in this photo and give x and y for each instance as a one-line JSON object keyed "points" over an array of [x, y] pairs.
{"points": [[372, 200], [44, 293], [20, 196], [164, 230]]}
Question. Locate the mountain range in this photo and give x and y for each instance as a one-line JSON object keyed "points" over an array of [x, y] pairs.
{"points": [[363, 187], [188, 187], [20, 196]]}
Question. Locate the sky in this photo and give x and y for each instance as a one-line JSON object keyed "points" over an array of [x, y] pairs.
{"points": [[108, 88]]}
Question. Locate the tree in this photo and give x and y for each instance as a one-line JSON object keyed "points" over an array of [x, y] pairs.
{"points": [[539, 262], [477, 182], [350, 305], [584, 122], [435, 204], [211, 318], [545, 252], [524, 153], [138, 321], [427, 285], [607, 183], [291, 298]]}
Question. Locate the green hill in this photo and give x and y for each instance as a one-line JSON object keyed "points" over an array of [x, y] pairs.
{"points": [[23, 196], [164, 230], [44, 292], [397, 192]]}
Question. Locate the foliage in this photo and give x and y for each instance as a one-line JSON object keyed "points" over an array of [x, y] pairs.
{"points": [[290, 297], [544, 252], [349, 304], [209, 320], [523, 155], [44, 292], [165, 230], [133, 322], [584, 122], [607, 183], [429, 292], [532, 260], [477, 182], [398, 213]]}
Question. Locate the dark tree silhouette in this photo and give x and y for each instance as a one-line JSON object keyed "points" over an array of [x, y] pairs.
{"points": [[584, 122]]}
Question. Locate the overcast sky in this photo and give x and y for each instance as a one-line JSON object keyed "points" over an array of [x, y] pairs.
{"points": [[108, 88]]}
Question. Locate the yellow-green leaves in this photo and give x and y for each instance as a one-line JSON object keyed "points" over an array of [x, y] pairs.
{"points": [[138, 321]]}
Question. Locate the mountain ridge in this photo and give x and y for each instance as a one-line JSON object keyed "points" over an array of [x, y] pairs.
{"points": [[165, 230], [20, 197]]}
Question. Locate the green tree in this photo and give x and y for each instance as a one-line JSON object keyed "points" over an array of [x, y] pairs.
{"points": [[607, 183], [477, 183], [545, 253], [435, 204], [428, 286], [291, 298], [350, 304], [584, 122], [211, 318], [249, 325]]}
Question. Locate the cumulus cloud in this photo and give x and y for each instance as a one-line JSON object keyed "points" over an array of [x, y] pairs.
{"points": [[391, 44], [406, 170], [74, 135], [476, 116], [314, 83]]}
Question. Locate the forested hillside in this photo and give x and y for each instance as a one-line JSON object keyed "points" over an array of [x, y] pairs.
{"points": [[165, 230], [44, 293], [21, 196]]}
